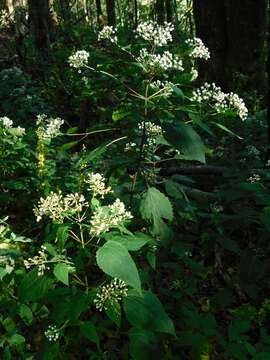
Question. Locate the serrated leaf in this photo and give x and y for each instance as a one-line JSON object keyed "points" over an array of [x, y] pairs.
{"points": [[114, 259], [185, 139], [155, 207], [34, 287], [146, 312], [61, 273], [113, 311], [88, 330]]}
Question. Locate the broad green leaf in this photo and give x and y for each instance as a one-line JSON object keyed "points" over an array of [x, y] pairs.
{"points": [[88, 330], [113, 311], [34, 287], [61, 273], [184, 138], [146, 312], [224, 128], [155, 207], [131, 242], [143, 344], [120, 114], [114, 259], [25, 313], [16, 340]]}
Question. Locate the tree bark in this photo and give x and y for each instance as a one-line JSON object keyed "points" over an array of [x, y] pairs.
{"points": [[99, 13], [65, 10], [169, 10], [160, 11], [40, 23], [110, 7], [211, 27], [235, 32]]}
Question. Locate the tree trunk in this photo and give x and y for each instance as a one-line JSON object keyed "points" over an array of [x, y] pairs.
{"points": [[40, 23], [235, 32], [247, 24], [135, 13], [160, 11], [65, 10], [211, 27], [110, 7], [169, 10], [99, 13]]}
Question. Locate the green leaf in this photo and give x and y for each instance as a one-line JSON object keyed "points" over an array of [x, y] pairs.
{"points": [[184, 138], [114, 259], [34, 287], [61, 273], [16, 340], [119, 114], [143, 344], [88, 330], [224, 128], [155, 207], [146, 312], [26, 314], [113, 311], [131, 242]]}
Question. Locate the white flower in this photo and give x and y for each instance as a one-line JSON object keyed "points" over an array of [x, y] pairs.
{"points": [[194, 74], [79, 59], [52, 333], [220, 101], [6, 121], [111, 293], [159, 35], [156, 62], [97, 185], [236, 103], [130, 146], [39, 260], [56, 206], [165, 88], [254, 178], [199, 50], [108, 32], [106, 217], [50, 126]]}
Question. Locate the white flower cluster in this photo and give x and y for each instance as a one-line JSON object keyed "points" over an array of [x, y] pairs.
{"points": [[159, 35], [6, 122], [165, 88], [254, 178], [96, 183], [199, 50], [130, 146], [106, 217], [220, 101], [39, 260], [194, 73], [8, 126], [79, 59], [152, 132], [52, 333], [56, 206], [50, 127], [156, 62], [4, 19], [111, 293], [108, 33], [236, 103]]}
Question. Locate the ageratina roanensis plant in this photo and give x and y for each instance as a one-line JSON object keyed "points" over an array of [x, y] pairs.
{"points": [[81, 268]]}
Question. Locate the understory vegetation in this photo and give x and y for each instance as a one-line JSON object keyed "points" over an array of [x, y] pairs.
{"points": [[134, 196]]}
